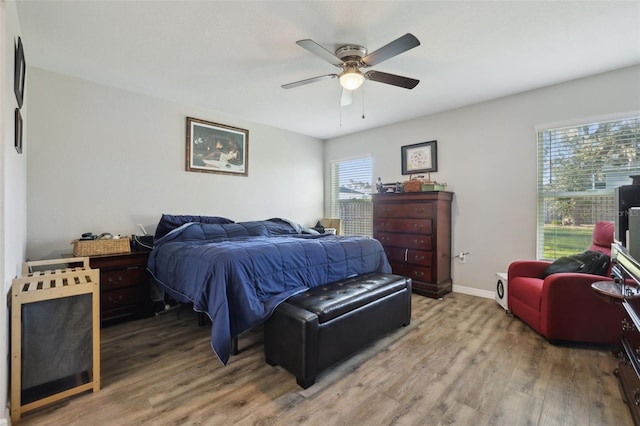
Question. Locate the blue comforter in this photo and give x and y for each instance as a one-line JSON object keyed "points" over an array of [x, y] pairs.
{"points": [[238, 273]]}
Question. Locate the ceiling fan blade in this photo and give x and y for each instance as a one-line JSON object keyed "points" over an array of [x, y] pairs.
{"points": [[320, 51], [394, 80], [396, 47], [309, 80], [346, 98]]}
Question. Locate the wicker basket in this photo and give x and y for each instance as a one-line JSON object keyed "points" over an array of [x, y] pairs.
{"points": [[97, 247]]}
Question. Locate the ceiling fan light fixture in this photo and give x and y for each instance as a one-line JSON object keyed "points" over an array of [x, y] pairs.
{"points": [[351, 79]]}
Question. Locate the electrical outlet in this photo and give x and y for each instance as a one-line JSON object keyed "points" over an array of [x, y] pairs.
{"points": [[462, 256]]}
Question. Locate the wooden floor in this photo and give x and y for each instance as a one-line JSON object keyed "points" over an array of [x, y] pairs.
{"points": [[461, 361]]}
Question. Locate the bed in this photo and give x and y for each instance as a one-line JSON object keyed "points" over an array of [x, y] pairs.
{"points": [[237, 273]]}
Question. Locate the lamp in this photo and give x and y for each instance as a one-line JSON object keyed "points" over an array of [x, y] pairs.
{"points": [[351, 78]]}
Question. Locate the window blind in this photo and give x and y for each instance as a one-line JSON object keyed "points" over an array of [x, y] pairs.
{"points": [[578, 169], [351, 195]]}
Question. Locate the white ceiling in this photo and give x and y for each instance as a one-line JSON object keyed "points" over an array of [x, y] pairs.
{"points": [[233, 56]]}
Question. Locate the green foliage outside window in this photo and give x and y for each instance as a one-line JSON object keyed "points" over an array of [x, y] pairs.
{"points": [[579, 168]]}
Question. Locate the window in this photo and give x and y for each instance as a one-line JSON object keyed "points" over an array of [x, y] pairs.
{"points": [[351, 195], [578, 169]]}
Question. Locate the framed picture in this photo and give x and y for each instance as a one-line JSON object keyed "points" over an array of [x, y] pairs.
{"points": [[420, 158], [18, 131], [217, 148], [20, 69]]}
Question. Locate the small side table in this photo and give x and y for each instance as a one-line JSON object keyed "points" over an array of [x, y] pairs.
{"points": [[124, 286], [608, 290], [614, 292]]}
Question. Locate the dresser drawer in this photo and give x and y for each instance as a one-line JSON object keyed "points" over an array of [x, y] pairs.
{"points": [[629, 381], [118, 278], [419, 241], [632, 338], [414, 257], [418, 273], [118, 298], [409, 210], [630, 333], [409, 226]]}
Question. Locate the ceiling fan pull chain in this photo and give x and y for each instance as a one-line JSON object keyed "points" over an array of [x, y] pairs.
{"points": [[363, 102]]}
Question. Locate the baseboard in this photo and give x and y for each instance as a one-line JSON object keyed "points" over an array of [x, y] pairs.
{"points": [[6, 420], [473, 291]]}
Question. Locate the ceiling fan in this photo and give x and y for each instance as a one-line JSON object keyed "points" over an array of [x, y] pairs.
{"points": [[352, 57]]}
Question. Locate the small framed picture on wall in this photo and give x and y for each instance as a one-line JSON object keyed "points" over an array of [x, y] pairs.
{"points": [[20, 70], [420, 158], [18, 131]]}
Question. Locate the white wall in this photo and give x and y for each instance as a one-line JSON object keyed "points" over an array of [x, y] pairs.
{"points": [[103, 159], [487, 156], [13, 173]]}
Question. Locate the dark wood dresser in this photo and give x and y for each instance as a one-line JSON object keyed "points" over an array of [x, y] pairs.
{"points": [[415, 230], [628, 371], [124, 286], [625, 290]]}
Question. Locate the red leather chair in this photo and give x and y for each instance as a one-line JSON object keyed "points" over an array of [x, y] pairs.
{"points": [[563, 306]]}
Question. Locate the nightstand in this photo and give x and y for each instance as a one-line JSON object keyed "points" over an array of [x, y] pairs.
{"points": [[124, 286]]}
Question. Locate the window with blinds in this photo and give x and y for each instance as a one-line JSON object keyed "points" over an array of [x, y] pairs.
{"points": [[578, 169], [351, 195]]}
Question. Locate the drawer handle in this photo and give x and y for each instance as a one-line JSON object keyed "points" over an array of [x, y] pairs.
{"points": [[118, 300], [418, 274], [627, 326], [419, 210], [418, 258], [418, 226], [418, 241], [110, 279]]}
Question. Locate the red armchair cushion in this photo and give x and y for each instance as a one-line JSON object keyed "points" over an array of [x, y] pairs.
{"points": [[603, 237]]}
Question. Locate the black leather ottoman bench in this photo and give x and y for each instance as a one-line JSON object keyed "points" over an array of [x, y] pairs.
{"points": [[312, 330]]}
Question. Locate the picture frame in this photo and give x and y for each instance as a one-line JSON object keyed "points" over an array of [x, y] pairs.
{"points": [[18, 131], [420, 158], [20, 70], [216, 148]]}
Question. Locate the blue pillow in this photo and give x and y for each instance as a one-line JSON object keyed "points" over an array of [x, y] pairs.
{"points": [[170, 222]]}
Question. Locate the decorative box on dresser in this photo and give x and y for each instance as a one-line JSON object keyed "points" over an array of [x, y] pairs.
{"points": [[124, 286], [415, 230]]}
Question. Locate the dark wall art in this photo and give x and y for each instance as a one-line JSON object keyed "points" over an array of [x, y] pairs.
{"points": [[20, 71], [217, 148]]}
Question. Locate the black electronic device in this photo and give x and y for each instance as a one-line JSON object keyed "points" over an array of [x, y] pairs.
{"points": [[625, 197]]}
